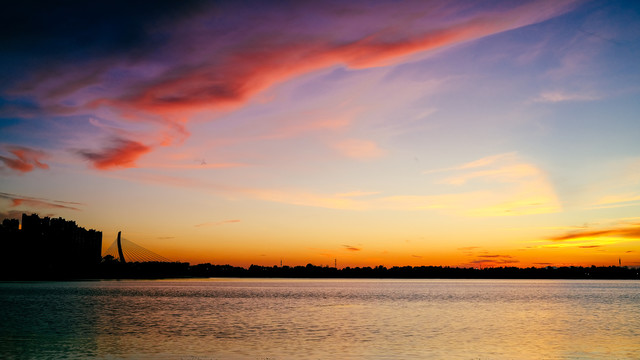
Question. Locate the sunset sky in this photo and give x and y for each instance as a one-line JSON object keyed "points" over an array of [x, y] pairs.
{"points": [[488, 133]]}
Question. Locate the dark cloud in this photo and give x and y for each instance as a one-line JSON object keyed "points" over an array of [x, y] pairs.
{"points": [[589, 246], [121, 153], [351, 248], [495, 262], [495, 259]]}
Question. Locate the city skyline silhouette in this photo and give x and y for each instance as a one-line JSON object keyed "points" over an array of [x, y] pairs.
{"points": [[59, 249]]}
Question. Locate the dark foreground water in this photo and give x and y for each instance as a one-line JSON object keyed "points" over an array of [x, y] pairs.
{"points": [[321, 319]]}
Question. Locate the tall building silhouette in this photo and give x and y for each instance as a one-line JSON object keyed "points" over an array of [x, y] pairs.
{"points": [[43, 247]]}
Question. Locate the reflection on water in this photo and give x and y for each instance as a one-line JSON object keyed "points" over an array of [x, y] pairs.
{"points": [[291, 319]]}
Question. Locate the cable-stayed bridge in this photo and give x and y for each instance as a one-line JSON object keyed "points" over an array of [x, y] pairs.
{"points": [[126, 251]]}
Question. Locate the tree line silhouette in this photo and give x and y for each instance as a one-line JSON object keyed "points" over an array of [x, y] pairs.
{"points": [[111, 268]]}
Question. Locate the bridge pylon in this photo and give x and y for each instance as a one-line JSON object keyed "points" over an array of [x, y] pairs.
{"points": [[120, 253], [126, 252]]}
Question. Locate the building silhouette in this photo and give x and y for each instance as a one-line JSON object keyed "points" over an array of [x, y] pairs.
{"points": [[10, 225], [43, 247]]}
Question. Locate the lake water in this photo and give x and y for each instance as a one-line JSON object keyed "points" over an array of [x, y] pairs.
{"points": [[321, 319]]}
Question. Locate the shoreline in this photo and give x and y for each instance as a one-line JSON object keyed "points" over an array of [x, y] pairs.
{"points": [[159, 270]]}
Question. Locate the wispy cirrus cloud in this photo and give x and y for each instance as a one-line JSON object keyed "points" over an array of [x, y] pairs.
{"points": [[620, 186], [503, 185], [483, 162], [618, 200], [605, 233], [30, 203], [24, 159], [510, 186], [180, 59], [507, 190], [630, 232], [236, 73], [562, 96]]}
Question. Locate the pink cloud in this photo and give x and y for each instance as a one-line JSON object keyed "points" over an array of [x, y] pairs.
{"points": [[203, 65], [25, 159], [122, 153], [233, 74]]}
